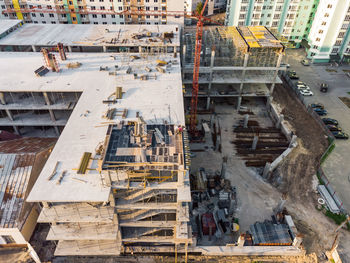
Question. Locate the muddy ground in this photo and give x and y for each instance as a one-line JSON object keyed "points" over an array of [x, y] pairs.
{"points": [[298, 174]]}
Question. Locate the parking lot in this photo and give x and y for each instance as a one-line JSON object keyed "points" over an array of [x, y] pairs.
{"points": [[337, 166]]}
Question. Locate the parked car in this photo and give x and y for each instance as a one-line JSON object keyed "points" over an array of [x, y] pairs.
{"points": [[303, 87], [324, 87], [340, 135], [305, 62], [330, 121], [320, 112], [285, 65], [316, 105], [292, 75], [333, 128], [306, 92]]}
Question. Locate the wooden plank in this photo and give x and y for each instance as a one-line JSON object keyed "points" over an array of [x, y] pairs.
{"points": [[84, 163]]}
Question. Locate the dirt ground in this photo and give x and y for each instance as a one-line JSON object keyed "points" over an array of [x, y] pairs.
{"points": [[298, 175], [345, 100]]}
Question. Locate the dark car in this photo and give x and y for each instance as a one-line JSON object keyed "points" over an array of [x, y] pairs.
{"points": [[324, 87], [340, 135], [320, 112], [333, 128], [330, 121], [292, 75], [317, 105]]}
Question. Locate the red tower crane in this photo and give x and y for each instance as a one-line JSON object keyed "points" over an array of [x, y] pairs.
{"points": [[197, 58]]}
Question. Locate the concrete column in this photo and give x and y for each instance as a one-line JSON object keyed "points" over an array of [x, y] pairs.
{"points": [[239, 102], [15, 128], [2, 98], [280, 119], [69, 48], [46, 98], [246, 119], [276, 72], [104, 49], [140, 49], [57, 131], [266, 170], [255, 142], [212, 58], [183, 54], [34, 48], [52, 115], [9, 114]]}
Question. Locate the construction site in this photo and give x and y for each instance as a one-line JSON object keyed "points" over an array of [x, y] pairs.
{"points": [[166, 151]]}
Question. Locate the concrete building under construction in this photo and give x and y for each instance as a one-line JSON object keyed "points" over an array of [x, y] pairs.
{"points": [[236, 62], [117, 182]]}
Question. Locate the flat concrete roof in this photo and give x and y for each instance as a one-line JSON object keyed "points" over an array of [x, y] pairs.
{"points": [[157, 100], [89, 35], [6, 24]]}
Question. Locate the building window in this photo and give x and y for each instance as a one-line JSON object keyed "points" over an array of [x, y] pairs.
{"points": [[120, 8], [105, 23], [63, 15], [320, 31], [148, 16], [121, 16], [318, 39], [74, 18], [103, 16], [155, 8], [95, 23], [51, 15], [113, 16], [70, 2], [33, 15], [156, 1], [42, 15], [326, 15], [315, 47], [323, 23], [341, 35], [163, 8], [94, 16], [155, 16], [335, 50], [103, 8], [93, 8], [329, 6]]}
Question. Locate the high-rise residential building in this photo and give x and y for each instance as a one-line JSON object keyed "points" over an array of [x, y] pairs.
{"points": [[323, 24], [303, 21], [330, 34], [94, 11], [279, 15]]}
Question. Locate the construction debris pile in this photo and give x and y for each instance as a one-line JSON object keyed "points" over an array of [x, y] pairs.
{"points": [[213, 208]]}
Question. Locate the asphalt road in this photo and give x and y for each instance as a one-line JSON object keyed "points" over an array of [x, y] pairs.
{"points": [[337, 166]]}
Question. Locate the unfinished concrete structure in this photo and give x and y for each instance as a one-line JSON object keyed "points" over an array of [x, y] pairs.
{"points": [[32, 110], [236, 62], [118, 174]]}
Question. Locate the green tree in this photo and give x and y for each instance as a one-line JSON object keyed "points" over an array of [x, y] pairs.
{"points": [[199, 7]]}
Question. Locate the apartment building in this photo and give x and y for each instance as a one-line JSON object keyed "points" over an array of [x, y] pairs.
{"points": [[94, 11], [278, 15], [303, 21], [329, 35]]}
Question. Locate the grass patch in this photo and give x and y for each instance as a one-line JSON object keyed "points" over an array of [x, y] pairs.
{"points": [[338, 218], [348, 92], [328, 152], [319, 178], [331, 70], [345, 100]]}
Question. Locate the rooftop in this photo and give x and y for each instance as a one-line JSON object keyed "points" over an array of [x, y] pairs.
{"points": [[91, 35], [259, 37], [6, 24], [157, 100]]}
